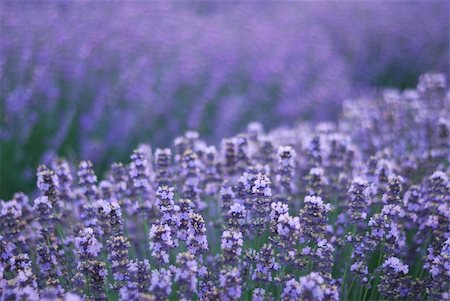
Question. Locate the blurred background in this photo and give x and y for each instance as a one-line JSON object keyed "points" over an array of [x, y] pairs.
{"points": [[92, 80]]}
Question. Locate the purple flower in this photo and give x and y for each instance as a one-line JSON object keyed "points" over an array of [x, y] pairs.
{"points": [[309, 287], [230, 285], [161, 241], [87, 179], [231, 245]]}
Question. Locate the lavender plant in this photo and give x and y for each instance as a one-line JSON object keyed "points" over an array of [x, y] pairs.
{"points": [[314, 212]]}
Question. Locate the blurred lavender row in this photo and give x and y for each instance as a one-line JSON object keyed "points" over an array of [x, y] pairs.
{"points": [[92, 79], [358, 210]]}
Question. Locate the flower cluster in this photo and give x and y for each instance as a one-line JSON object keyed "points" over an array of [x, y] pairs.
{"points": [[314, 212], [231, 245], [161, 241], [310, 287]]}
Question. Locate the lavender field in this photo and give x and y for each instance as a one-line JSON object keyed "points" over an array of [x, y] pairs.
{"points": [[224, 150]]}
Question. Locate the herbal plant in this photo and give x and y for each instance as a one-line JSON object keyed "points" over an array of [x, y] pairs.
{"points": [[357, 210]]}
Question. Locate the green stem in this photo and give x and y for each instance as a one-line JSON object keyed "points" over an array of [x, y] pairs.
{"points": [[349, 289], [380, 258], [347, 260], [366, 290]]}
